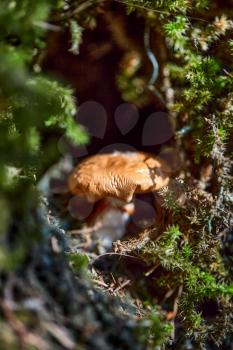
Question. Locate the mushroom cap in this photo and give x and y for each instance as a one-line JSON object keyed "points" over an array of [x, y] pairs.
{"points": [[118, 175]]}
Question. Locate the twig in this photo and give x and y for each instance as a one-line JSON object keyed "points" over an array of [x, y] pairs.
{"points": [[124, 284], [159, 11], [151, 270], [175, 310], [227, 73], [168, 295], [101, 283], [151, 56], [47, 26], [177, 299], [86, 229], [117, 254], [60, 334], [70, 14]]}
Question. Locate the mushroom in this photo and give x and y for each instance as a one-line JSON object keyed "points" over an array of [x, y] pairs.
{"points": [[118, 175]]}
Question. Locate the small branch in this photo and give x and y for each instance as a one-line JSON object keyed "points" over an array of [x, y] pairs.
{"points": [[175, 309], [117, 254], [151, 270], [72, 13], [124, 284]]}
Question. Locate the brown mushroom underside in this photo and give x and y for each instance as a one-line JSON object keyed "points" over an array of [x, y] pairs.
{"points": [[118, 175]]}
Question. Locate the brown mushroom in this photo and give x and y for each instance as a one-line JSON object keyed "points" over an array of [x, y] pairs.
{"points": [[119, 175]]}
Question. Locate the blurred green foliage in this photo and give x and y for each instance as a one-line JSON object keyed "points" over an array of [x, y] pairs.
{"points": [[30, 103]]}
